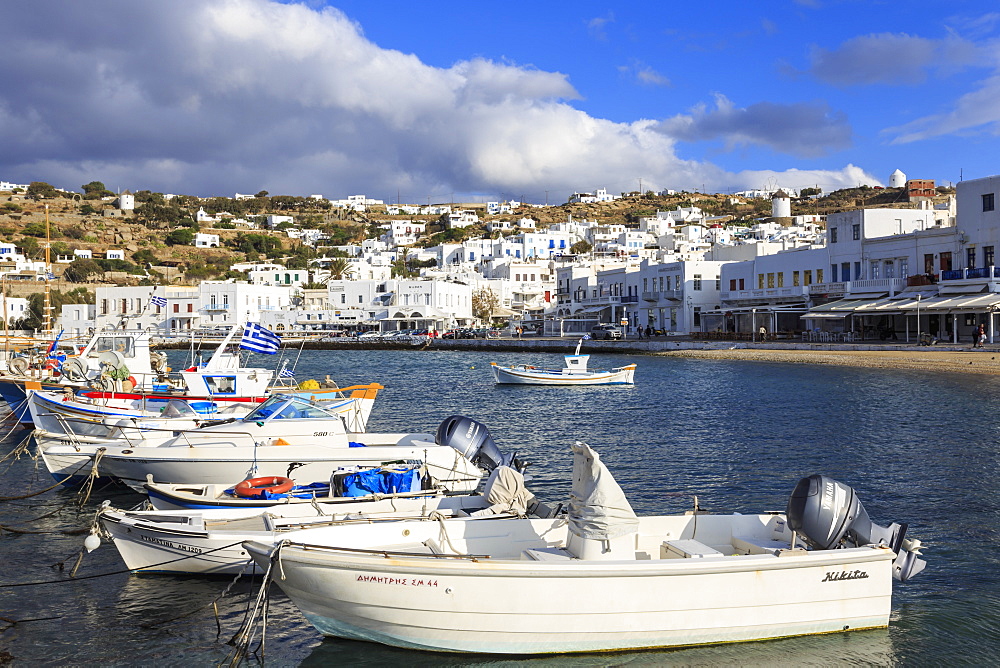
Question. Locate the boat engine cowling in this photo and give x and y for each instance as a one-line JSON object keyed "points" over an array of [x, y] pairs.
{"points": [[472, 439], [828, 515]]}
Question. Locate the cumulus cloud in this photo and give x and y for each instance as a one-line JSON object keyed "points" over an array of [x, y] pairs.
{"points": [[804, 130], [213, 97], [975, 111], [888, 58]]}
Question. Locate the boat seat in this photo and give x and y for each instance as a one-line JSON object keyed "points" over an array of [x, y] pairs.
{"points": [[756, 545], [547, 554], [686, 549]]}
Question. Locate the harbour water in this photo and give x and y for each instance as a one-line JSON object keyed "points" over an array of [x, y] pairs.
{"points": [[918, 447]]}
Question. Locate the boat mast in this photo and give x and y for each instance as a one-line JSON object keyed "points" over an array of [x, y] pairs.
{"points": [[6, 323], [48, 302]]}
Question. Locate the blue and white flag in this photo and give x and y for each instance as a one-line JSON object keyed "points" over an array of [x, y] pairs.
{"points": [[50, 276], [157, 300], [585, 337], [258, 339], [286, 373]]}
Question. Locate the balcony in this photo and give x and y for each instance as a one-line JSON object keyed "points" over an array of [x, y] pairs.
{"points": [[215, 307], [630, 299], [606, 299], [980, 274], [859, 287]]}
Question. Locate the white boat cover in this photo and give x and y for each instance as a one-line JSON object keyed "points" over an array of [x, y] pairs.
{"points": [[506, 493], [598, 509]]}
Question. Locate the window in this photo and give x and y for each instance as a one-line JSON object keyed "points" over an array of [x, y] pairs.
{"points": [[770, 279], [742, 284], [697, 282], [177, 308], [970, 258], [856, 231], [845, 271], [795, 278], [760, 281], [833, 235], [904, 267], [876, 267], [190, 307], [988, 202], [833, 273], [857, 271], [361, 300], [781, 279], [732, 284], [807, 277], [819, 275], [988, 256], [718, 283], [928, 263]]}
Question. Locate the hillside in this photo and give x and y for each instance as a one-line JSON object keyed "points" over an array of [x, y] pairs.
{"points": [[149, 236]]}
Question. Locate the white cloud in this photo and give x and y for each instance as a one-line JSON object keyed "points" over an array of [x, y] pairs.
{"points": [[200, 97]]}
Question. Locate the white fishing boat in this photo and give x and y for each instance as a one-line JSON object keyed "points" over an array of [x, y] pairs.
{"points": [[101, 414], [574, 373], [344, 482], [602, 579], [209, 541], [283, 435]]}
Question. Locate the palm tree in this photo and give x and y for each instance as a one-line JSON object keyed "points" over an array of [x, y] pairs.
{"points": [[340, 268]]}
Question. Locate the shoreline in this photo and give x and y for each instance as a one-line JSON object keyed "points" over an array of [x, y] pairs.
{"points": [[949, 358], [957, 360]]}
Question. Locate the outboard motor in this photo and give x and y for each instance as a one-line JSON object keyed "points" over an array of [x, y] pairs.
{"points": [[828, 515], [472, 439]]}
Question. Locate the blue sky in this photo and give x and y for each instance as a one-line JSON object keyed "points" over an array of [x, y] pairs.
{"points": [[483, 100]]}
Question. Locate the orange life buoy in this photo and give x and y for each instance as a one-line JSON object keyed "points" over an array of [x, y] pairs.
{"points": [[254, 486], [134, 382]]}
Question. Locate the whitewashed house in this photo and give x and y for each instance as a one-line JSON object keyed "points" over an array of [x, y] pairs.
{"points": [[202, 240]]}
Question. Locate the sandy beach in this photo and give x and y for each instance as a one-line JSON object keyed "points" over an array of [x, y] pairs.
{"points": [[957, 360]]}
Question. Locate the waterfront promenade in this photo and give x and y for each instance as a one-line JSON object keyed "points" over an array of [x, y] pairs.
{"points": [[944, 357]]}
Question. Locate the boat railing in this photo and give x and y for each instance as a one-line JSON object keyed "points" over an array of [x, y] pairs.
{"points": [[388, 554], [179, 433]]}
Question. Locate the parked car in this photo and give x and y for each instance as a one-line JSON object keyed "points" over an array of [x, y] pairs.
{"points": [[606, 332]]}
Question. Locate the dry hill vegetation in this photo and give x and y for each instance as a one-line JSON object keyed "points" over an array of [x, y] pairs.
{"points": [[156, 237]]}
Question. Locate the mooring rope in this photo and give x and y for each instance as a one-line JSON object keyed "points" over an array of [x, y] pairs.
{"points": [[121, 572]]}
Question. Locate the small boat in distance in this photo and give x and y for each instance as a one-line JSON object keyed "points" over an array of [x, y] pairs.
{"points": [[574, 373]]}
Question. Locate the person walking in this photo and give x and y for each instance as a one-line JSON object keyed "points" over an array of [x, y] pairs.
{"points": [[980, 337]]}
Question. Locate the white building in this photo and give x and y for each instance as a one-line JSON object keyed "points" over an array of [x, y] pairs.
{"points": [[202, 240]]}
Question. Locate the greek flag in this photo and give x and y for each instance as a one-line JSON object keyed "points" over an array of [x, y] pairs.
{"points": [[287, 373], [258, 339], [50, 276], [157, 300], [585, 337]]}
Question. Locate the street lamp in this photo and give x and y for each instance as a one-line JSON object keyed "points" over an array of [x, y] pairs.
{"points": [[753, 324], [918, 318]]}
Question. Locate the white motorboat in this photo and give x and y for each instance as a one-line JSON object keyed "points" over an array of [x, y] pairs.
{"points": [[574, 373], [346, 482], [102, 414], [284, 434], [209, 541], [602, 579]]}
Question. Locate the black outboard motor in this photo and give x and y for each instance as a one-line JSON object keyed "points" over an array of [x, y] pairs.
{"points": [[828, 515], [472, 439]]}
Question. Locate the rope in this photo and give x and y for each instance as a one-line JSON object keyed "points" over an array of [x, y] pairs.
{"points": [[28, 496], [255, 617], [84, 494], [213, 602], [20, 449], [102, 575]]}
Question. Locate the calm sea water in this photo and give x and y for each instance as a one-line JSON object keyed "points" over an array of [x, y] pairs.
{"points": [[918, 447]]}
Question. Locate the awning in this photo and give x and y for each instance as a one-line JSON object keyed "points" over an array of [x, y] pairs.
{"points": [[965, 303], [593, 309]]}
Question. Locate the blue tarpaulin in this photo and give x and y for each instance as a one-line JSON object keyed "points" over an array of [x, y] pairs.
{"points": [[378, 481]]}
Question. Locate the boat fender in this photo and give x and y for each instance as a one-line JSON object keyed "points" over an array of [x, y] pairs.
{"points": [[254, 486]]}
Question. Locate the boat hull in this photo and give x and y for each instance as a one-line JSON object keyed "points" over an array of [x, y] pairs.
{"points": [[509, 606], [526, 375], [210, 542]]}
